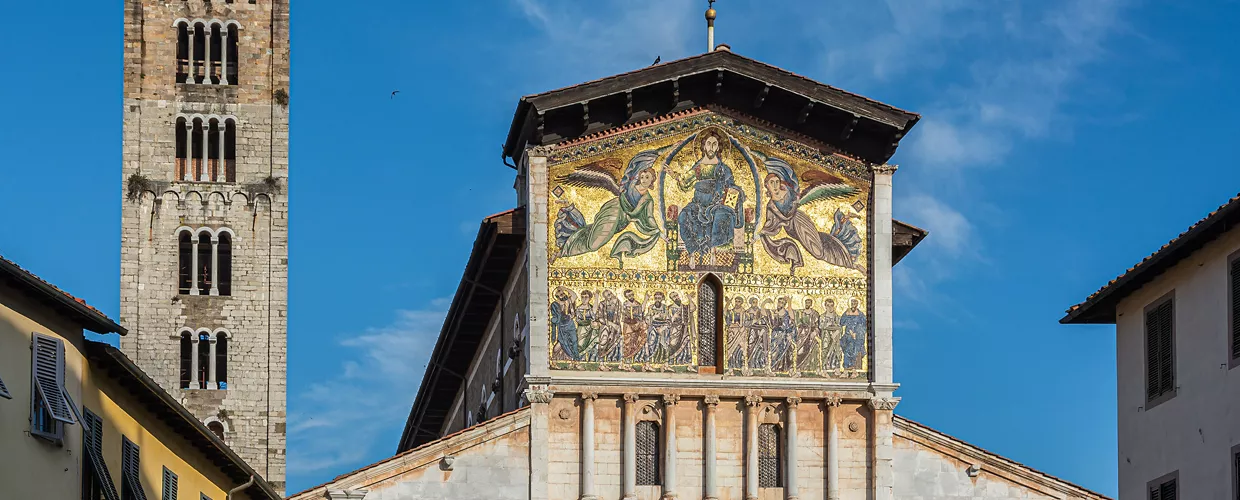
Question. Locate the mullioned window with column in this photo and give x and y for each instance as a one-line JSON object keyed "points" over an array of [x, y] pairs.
{"points": [[206, 148], [207, 51], [204, 358], [204, 261]]}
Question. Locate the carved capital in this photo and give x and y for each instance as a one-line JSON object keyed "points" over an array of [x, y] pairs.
{"points": [[589, 395], [538, 395], [630, 398], [885, 169], [884, 404], [541, 151], [794, 402], [753, 401], [671, 399], [833, 401], [711, 400]]}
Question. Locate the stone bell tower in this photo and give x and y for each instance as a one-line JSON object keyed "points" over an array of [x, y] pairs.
{"points": [[204, 243]]}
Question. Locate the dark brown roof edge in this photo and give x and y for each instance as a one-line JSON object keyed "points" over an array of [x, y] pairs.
{"points": [[914, 234], [1099, 307], [105, 353], [89, 317]]}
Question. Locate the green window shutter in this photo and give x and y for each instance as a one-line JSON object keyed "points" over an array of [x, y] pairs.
{"points": [[130, 470], [170, 485], [92, 437], [48, 371]]}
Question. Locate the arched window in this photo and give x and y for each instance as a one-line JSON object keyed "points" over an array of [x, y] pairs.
{"points": [[206, 149], [221, 360], [205, 264], [206, 53], [648, 453], [710, 324], [770, 467], [185, 264], [204, 360], [224, 264], [187, 359], [216, 428]]}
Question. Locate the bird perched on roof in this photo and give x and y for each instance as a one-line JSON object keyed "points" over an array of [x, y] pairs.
{"points": [[656, 60]]}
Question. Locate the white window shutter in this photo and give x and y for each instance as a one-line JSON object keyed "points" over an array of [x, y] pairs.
{"points": [[48, 367]]}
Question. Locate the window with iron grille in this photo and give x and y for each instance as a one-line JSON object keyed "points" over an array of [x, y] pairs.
{"points": [[648, 453], [1165, 488], [1160, 351], [708, 322], [131, 476], [770, 467], [170, 485]]}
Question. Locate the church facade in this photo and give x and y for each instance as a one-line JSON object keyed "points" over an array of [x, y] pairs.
{"points": [[692, 299]]}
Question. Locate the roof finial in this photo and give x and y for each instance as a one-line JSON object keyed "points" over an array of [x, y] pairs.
{"points": [[710, 26]]}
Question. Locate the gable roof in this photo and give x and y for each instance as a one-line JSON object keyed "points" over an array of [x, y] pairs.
{"points": [[77, 309], [855, 124], [1100, 306], [112, 362]]}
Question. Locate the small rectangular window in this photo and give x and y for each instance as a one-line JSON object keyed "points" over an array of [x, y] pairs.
{"points": [[1235, 472], [131, 475], [99, 484], [1160, 351], [1233, 299], [770, 467], [1164, 488], [49, 404], [648, 453], [170, 485]]}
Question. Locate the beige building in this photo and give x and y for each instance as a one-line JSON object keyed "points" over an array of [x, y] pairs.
{"points": [[204, 213], [1177, 351], [692, 299], [78, 420]]}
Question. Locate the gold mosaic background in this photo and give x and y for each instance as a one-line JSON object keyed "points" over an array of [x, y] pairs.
{"points": [[638, 219]]}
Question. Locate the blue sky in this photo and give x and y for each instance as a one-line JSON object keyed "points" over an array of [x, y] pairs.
{"points": [[1062, 140]]}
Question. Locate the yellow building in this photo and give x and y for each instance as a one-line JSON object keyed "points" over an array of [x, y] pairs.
{"points": [[78, 420]]}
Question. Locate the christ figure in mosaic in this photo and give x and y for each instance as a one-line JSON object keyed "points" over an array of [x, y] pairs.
{"points": [[708, 221], [854, 338], [632, 325], [734, 319], [783, 329], [609, 348], [633, 206], [587, 327], [829, 324], [841, 246], [809, 338], [563, 326]]}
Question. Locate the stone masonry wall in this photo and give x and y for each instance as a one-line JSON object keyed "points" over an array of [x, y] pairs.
{"points": [[253, 406]]}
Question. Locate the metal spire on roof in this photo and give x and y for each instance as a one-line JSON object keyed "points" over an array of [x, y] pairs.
{"points": [[710, 26]]}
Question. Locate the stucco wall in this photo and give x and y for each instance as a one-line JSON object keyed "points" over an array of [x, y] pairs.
{"points": [[1194, 431]]}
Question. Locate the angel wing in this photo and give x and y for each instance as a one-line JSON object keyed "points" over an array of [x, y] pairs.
{"points": [[602, 174], [823, 186]]}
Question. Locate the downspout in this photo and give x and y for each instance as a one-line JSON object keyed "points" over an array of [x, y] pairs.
{"points": [[239, 488]]}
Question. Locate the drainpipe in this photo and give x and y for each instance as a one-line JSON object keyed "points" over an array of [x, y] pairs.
{"points": [[239, 488]]}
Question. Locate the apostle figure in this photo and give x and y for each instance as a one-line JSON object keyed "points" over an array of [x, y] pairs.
{"points": [[563, 326], [708, 221], [632, 325], [854, 338], [609, 349], [658, 331], [841, 246], [587, 327], [736, 342], [759, 335], [678, 343], [829, 324], [783, 329], [809, 339]]}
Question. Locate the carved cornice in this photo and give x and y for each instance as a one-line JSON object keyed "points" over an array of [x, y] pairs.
{"points": [[794, 402], [711, 400], [539, 395], [884, 404]]}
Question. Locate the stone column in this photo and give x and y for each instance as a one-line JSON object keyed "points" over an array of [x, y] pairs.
{"points": [[215, 272], [220, 173], [188, 173], [539, 397], [790, 467], [211, 367], [588, 490], [710, 454], [629, 477], [669, 448], [193, 259], [206, 61], [193, 362], [884, 450], [223, 59], [751, 446], [206, 130], [882, 312], [193, 71], [832, 404]]}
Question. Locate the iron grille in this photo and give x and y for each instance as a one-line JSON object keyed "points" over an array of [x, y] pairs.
{"points": [[708, 323], [648, 453], [769, 466]]}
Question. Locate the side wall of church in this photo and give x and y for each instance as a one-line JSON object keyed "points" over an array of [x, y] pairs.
{"points": [[155, 203], [565, 455]]}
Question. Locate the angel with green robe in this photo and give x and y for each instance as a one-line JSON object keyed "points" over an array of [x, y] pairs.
{"points": [[633, 207]]}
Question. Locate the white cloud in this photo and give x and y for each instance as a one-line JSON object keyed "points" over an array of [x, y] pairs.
{"points": [[337, 422]]}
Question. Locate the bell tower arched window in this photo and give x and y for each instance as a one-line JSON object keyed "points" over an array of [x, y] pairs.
{"points": [[710, 325], [206, 148], [204, 360], [187, 359], [204, 261], [207, 52]]}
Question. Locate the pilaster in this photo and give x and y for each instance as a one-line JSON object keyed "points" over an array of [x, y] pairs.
{"points": [[883, 430], [540, 437]]}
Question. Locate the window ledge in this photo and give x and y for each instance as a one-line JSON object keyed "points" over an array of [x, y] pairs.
{"points": [[1149, 405]]}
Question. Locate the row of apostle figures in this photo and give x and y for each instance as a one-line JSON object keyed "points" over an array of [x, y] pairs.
{"points": [[760, 335]]}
